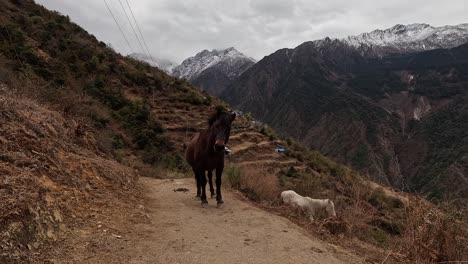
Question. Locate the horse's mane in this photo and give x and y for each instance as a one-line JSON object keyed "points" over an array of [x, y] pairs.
{"points": [[215, 116]]}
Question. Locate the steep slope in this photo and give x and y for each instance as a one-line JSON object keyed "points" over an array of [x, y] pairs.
{"points": [[163, 64], [213, 70], [52, 174], [357, 108]]}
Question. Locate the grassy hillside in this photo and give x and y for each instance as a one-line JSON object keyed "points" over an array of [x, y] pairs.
{"points": [[80, 123]]}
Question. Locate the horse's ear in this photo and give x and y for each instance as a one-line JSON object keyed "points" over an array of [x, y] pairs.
{"points": [[233, 116]]}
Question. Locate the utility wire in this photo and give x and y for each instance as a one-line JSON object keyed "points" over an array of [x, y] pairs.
{"points": [[131, 25], [142, 38], [139, 30], [120, 29]]}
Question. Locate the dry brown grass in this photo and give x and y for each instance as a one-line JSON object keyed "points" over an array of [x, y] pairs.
{"points": [[433, 235], [386, 228], [257, 183], [50, 171]]}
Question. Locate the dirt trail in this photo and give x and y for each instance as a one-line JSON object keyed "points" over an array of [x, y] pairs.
{"points": [[171, 227], [180, 231]]}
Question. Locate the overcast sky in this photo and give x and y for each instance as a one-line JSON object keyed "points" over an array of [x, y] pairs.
{"points": [[177, 29]]}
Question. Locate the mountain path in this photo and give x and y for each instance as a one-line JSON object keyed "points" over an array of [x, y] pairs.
{"points": [[171, 227], [180, 231]]}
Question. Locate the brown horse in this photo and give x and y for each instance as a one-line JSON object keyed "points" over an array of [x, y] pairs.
{"points": [[205, 152]]}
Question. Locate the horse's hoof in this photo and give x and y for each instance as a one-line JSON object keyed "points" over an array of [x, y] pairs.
{"points": [[220, 205], [204, 205]]}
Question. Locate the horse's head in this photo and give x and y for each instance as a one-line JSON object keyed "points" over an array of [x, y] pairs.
{"points": [[220, 124], [330, 208]]}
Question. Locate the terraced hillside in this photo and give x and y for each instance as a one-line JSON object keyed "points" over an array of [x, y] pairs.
{"points": [[181, 120]]}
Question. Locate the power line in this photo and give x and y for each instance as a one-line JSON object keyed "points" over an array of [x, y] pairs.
{"points": [[142, 38], [139, 30], [120, 29], [131, 25]]}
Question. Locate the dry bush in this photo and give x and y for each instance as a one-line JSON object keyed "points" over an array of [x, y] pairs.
{"points": [[255, 182], [433, 235], [355, 212]]}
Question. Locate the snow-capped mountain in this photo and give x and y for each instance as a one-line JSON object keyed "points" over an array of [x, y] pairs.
{"points": [[214, 70], [332, 94], [163, 64], [410, 38], [232, 61]]}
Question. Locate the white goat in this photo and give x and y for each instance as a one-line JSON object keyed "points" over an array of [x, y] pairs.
{"points": [[307, 204]]}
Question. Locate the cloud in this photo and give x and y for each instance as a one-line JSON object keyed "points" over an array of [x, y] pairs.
{"points": [[177, 29]]}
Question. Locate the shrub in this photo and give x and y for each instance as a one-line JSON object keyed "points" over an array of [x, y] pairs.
{"points": [[192, 97], [222, 106], [207, 100], [433, 235], [397, 203], [255, 182], [91, 65], [292, 172], [248, 116], [117, 141], [148, 138], [112, 98], [378, 198], [233, 176], [99, 122], [378, 235], [388, 226], [174, 162]]}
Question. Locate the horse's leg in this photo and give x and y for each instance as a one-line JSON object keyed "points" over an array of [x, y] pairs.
{"points": [[219, 197], [210, 181], [204, 202], [197, 179]]}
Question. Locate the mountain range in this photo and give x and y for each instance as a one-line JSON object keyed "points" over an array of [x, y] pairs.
{"points": [[391, 103], [209, 70], [410, 38], [214, 70]]}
